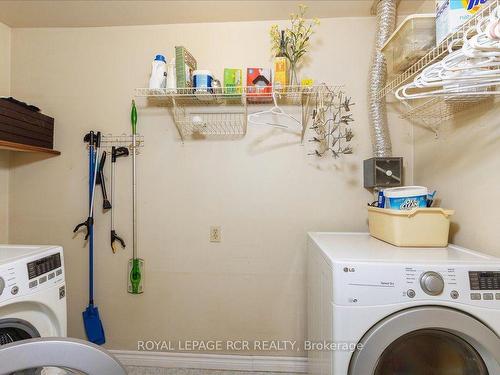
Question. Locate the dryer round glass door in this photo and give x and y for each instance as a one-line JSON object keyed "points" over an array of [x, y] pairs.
{"points": [[430, 351], [428, 340]]}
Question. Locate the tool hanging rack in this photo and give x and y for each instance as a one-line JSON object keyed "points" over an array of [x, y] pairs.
{"points": [[432, 112], [223, 112], [123, 140]]}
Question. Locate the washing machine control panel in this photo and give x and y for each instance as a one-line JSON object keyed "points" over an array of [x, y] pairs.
{"points": [[44, 265], [31, 274], [368, 284]]}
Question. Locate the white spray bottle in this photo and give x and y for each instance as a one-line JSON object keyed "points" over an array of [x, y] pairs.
{"points": [[171, 78]]}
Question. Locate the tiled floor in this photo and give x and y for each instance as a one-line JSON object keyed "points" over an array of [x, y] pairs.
{"points": [[133, 370]]}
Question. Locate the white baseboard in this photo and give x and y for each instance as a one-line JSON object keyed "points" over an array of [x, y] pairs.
{"points": [[212, 361]]}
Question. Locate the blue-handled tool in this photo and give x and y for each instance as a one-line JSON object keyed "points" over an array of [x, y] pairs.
{"points": [[91, 320]]}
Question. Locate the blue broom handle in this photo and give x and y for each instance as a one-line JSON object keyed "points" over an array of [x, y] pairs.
{"points": [[91, 227]]}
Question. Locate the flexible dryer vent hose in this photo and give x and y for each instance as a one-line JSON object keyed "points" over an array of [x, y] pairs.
{"points": [[386, 22]]}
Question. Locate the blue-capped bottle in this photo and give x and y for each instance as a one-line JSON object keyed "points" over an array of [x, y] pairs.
{"points": [[158, 73]]}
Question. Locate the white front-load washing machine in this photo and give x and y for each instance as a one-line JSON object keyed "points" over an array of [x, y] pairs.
{"points": [[377, 309], [33, 318], [32, 292]]}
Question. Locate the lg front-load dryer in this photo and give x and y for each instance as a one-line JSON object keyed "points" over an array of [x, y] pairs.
{"points": [[376, 309], [32, 292]]}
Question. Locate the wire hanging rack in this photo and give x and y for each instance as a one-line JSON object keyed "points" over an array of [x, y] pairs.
{"points": [[332, 125]]}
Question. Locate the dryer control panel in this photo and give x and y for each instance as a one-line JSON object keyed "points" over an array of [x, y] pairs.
{"points": [[369, 284], [484, 280]]}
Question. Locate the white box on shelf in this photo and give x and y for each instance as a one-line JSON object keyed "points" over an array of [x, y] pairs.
{"points": [[451, 14]]}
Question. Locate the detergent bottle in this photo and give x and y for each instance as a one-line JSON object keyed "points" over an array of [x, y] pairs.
{"points": [[158, 73]]}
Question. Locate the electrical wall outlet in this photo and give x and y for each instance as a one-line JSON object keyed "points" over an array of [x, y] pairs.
{"points": [[215, 234]]}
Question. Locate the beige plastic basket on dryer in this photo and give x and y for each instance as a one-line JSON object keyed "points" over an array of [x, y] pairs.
{"points": [[420, 227]]}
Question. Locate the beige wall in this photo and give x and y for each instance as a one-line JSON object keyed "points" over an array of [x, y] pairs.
{"points": [[463, 164], [427, 6], [264, 190], [5, 35]]}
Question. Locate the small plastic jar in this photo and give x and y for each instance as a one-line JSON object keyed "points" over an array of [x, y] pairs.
{"points": [[405, 197], [202, 80]]}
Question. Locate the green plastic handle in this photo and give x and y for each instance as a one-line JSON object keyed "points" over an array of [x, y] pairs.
{"points": [[133, 118], [135, 276]]}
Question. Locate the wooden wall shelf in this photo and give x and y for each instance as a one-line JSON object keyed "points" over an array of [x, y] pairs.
{"points": [[12, 146]]}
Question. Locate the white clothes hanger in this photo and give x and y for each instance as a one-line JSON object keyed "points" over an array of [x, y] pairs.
{"points": [[482, 40], [276, 112], [453, 90], [492, 29]]}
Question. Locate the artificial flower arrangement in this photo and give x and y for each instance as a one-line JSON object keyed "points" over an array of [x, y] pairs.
{"points": [[296, 40]]}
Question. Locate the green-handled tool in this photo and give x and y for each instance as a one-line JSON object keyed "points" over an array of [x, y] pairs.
{"points": [[135, 265]]}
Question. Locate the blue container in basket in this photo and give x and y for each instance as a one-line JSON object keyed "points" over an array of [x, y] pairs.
{"points": [[405, 197]]}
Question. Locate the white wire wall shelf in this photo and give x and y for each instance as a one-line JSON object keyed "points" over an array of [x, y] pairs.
{"points": [[436, 110], [223, 112]]}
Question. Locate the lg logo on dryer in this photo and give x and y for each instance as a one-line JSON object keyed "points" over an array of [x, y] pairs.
{"points": [[349, 269]]}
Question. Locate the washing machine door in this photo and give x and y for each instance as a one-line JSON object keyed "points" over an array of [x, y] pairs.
{"points": [[428, 340], [57, 356], [12, 330]]}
